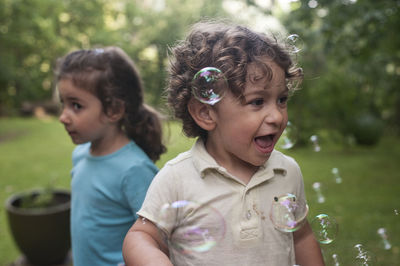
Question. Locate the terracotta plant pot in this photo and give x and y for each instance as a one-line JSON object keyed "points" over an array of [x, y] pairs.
{"points": [[42, 234]]}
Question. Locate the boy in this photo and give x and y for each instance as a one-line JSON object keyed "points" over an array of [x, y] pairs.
{"points": [[233, 166]]}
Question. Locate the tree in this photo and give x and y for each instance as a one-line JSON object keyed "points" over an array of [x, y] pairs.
{"points": [[351, 61], [34, 33]]}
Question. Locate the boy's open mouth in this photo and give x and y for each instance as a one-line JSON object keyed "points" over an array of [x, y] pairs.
{"points": [[265, 143]]}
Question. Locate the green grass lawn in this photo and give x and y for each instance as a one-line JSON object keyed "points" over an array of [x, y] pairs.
{"points": [[35, 152]]}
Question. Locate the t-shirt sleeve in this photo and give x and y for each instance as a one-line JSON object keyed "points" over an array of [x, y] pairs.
{"points": [[135, 183]]}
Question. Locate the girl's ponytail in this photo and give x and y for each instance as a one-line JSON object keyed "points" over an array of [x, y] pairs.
{"points": [[144, 126]]}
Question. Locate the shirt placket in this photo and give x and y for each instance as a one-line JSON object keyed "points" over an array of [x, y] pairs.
{"points": [[249, 225]]}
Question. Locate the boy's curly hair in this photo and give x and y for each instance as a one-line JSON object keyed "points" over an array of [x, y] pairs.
{"points": [[229, 48]]}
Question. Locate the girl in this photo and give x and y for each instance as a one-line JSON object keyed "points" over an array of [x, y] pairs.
{"points": [[118, 140]]}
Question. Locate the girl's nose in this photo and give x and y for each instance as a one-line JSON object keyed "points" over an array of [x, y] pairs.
{"points": [[63, 118]]}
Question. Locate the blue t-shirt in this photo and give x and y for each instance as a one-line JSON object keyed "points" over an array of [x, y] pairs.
{"points": [[106, 191]]}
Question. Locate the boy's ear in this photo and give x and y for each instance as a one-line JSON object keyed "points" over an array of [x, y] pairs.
{"points": [[202, 114]]}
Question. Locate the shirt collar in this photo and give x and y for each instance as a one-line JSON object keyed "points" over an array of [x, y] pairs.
{"points": [[203, 162]]}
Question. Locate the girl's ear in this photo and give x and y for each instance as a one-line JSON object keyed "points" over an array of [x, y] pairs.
{"points": [[116, 111], [202, 114]]}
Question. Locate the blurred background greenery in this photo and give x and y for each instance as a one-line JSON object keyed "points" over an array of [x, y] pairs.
{"points": [[349, 50]]}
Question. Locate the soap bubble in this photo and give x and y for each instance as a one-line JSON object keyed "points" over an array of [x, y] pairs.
{"points": [[288, 213], [335, 259], [209, 85], [325, 228], [314, 140], [383, 235], [317, 188], [335, 172], [194, 227], [294, 43], [288, 138], [363, 256]]}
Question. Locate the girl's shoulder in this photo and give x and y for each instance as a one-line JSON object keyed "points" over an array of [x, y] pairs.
{"points": [[80, 152]]}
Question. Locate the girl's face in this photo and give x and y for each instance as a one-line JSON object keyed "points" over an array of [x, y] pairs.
{"points": [[246, 131], [82, 114]]}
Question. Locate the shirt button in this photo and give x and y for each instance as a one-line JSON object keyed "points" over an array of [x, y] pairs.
{"points": [[248, 215]]}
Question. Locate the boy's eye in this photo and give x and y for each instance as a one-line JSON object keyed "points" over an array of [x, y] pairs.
{"points": [[257, 102], [283, 100]]}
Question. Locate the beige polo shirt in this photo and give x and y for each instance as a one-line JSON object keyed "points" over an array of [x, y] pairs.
{"points": [[246, 235]]}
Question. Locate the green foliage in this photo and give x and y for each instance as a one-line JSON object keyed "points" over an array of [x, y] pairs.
{"points": [[34, 33], [350, 57], [351, 60]]}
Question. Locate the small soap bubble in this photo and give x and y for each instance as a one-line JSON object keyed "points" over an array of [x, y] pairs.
{"points": [[294, 43], [314, 140], [194, 227], [335, 172], [335, 260], [364, 257], [317, 188], [325, 228], [383, 235], [288, 138], [288, 213], [98, 50], [209, 85]]}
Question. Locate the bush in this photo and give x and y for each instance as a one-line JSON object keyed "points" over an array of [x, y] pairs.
{"points": [[367, 129]]}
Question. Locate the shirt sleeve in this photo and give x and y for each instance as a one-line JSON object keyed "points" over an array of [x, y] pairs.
{"points": [[135, 183], [163, 190]]}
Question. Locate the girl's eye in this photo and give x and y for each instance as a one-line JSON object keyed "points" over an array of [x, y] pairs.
{"points": [[76, 106]]}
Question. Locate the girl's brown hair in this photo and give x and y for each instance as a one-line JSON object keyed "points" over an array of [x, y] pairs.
{"points": [[111, 75], [229, 48]]}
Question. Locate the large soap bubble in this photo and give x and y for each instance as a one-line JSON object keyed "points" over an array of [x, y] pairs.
{"points": [[294, 43], [288, 213], [288, 138], [193, 227], [325, 228], [209, 85]]}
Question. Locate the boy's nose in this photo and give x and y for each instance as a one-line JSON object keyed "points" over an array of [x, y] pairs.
{"points": [[274, 115]]}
